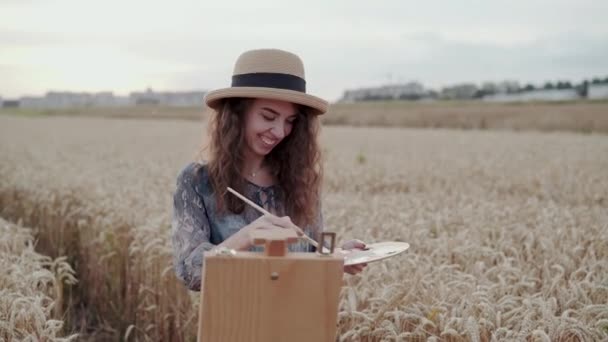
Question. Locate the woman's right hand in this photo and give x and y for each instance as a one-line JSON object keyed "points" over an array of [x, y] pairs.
{"points": [[241, 240]]}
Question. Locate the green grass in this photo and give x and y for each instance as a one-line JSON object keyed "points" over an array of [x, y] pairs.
{"points": [[21, 112]]}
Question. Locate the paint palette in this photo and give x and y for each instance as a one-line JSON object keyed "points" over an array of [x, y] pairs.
{"points": [[373, 252]]}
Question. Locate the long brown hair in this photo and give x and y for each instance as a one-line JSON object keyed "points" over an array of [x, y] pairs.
{"points": [[296, 161]]}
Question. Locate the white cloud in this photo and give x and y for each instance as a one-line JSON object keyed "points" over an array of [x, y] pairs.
{"points": [[66, 44]]}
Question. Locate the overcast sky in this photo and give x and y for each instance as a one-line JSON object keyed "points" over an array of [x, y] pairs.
{"points": [[124, 46]]}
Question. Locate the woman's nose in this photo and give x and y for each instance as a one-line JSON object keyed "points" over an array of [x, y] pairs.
{"points": [[278, 130]]}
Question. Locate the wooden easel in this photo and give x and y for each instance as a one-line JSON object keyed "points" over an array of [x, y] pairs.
{"points": [[272, 296]]}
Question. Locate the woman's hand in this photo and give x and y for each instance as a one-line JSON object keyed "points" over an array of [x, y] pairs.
{"points": [[351, 245], [241, 240]]}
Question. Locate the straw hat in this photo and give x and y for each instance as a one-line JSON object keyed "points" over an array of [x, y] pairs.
{"points": [[269, 74]]}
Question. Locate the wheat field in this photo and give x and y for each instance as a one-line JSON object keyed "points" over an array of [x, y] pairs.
{"points": [[31, 287], [589, 116], [508, 230]]}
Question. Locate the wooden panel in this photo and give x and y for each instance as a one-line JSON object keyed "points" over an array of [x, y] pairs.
{"points": [[240, 301]]}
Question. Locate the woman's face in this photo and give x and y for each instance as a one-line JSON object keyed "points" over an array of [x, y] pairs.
{"points": [[267, 123]]}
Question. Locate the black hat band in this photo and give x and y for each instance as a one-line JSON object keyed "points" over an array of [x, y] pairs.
{"points": [[270, 80]]}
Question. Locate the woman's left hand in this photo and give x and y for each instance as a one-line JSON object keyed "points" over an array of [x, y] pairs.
{"points": [[351, 245]]}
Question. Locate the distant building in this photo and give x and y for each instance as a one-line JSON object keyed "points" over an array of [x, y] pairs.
{"points": [[148, 97], [535, 95], [408, 91], [185, 99], [67, 99], [174, 99], [459, 92], [597, 91], [107, 99], [33, 102], [10, 103], [55, 99]]}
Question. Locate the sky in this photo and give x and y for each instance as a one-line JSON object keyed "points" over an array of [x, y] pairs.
{"points": [[125, 46]]}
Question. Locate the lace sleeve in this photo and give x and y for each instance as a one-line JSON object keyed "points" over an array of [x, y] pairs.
{"points": [[190, 230]]}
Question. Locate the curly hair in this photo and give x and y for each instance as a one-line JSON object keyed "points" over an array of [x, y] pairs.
{"points": [[296, 161]]}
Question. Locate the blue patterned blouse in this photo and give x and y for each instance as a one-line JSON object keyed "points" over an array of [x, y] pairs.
{"points": [[198, 227]]}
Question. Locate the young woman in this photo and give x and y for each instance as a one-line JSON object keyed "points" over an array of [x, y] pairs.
{"points": [[263, 144]]}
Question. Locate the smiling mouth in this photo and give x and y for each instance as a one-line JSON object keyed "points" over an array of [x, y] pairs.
{"points": [[267, 141]]}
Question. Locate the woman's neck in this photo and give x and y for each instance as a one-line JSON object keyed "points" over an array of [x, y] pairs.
{"points": [[255, 171], [252, 165]]}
